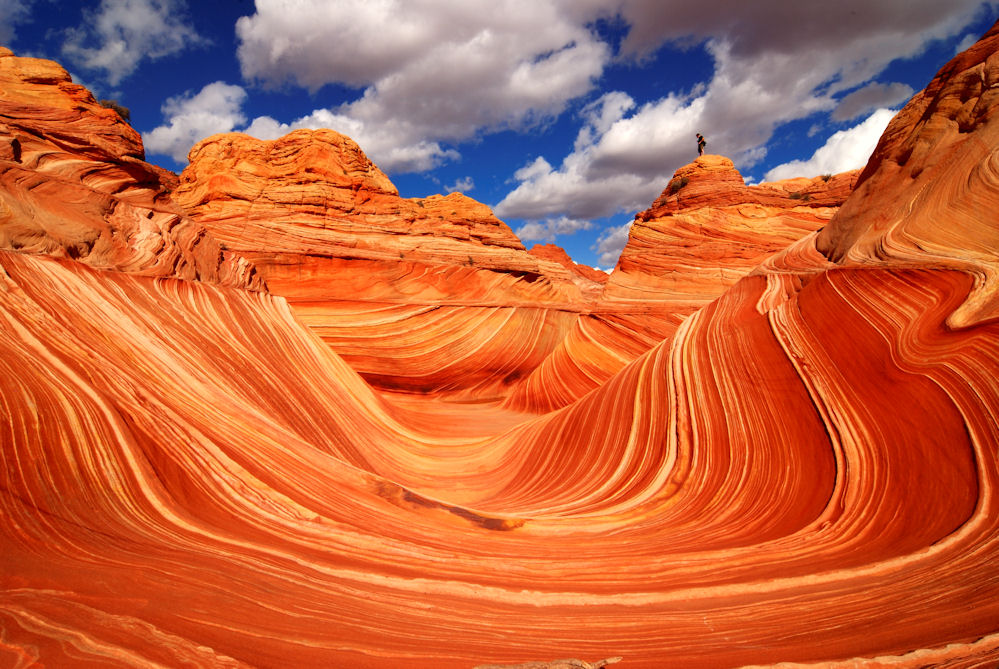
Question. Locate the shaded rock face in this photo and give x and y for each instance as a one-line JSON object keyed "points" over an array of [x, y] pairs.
{"points": [[73, 184], [803, 472]]}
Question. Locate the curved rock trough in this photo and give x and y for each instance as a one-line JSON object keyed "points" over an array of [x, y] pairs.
{"points": [[271, 414]]}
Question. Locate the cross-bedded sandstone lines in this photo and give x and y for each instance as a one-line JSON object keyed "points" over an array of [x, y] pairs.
{"points": [[76, 186], [705, 231], [801, 470], [428, 295]]}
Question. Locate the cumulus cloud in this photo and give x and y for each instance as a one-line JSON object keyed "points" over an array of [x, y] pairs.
{"points": [[215, 108], [898, 28], [12, 12], [432, 73], [844, 150], [571, 191], [610, 244], [965, 42], [462, 185], [121, 33], [766, 73], [548, 229], [872, 96]]}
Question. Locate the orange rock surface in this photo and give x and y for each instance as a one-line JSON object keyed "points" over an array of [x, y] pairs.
{"points": [[418, 294], [706, 231], [73, 184], [805, 472]]}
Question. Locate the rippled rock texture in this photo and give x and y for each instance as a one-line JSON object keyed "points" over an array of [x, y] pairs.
{"points": [[73, 184], [804, 471], [706, 231], [418, 294]]}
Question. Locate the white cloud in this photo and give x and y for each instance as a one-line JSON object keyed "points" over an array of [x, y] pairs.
{"points": [[462, 185], [216, 108], [431, 72], [610, 244], [538, 167], [965, 42], [870, 97], [844, 150], [121, 33], [12, 12], [548, 229], [767, 73], [392, 146]]}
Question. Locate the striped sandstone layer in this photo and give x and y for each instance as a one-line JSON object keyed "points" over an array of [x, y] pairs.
{"points": [[805, 472], [73, 183], [418, 294], [705, 231]]}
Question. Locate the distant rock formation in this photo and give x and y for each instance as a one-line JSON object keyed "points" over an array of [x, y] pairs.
{"points": [[702, 234], [803, 471], [312, 201], [707, 229]]}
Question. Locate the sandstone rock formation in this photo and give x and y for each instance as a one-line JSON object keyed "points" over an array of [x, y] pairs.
{"points": [[706, 231], [557, 664], [805, 472], [73, 184], [418, 294]]}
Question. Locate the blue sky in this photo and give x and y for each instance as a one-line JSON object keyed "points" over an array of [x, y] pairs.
{"points": [[566, 116]]}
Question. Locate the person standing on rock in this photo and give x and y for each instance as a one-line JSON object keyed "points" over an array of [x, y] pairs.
{"points": [[700, 144]]}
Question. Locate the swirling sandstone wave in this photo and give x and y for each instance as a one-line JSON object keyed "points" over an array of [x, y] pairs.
{"points": [[418, 294], [805, 472], [705, 231]]}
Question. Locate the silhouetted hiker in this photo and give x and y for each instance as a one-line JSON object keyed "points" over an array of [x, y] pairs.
{"points": [[700, 144]]}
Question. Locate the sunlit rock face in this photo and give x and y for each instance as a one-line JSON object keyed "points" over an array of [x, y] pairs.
{"points": [[804, 472], [708, 229], [73, 184], [419, 295]]}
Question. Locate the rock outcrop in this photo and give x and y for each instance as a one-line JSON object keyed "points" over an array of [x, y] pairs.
{"points": [[705, 231], [73, 184], [418, 294], [806, 472], [708, 229]]}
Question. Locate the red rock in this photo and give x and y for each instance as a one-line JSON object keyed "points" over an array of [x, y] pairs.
{"points": [[73, 184], [926, 194], [699, 238], [418, 294], [704, 232], [804, 473], [558, 254]]}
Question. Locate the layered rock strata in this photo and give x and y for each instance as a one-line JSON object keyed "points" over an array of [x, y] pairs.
{"points": [[73, 184], [805, 473], [705, 231], [708, 229], [418, 294]]}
